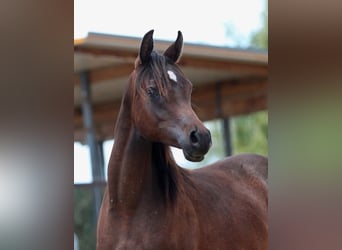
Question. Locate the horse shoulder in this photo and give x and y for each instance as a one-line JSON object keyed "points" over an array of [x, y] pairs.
{"points": [[231, 199], [246, 171], [248, 165]]}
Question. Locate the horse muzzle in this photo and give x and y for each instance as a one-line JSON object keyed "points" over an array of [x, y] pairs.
{"points": [[197, 145]]}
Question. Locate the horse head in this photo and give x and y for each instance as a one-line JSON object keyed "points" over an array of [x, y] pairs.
{"points": [[161, 101]]}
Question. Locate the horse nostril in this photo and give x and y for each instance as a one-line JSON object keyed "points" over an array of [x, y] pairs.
{"points": [[194, 137]]}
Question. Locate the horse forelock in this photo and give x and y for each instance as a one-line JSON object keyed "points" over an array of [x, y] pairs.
{"points": [[156, 71]]}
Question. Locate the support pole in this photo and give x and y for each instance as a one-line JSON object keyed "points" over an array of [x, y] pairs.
{"points": [[226, 135], [225, 121], [95, 153]]}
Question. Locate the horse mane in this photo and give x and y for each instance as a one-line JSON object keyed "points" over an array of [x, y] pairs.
{"points": [[166, 171]]}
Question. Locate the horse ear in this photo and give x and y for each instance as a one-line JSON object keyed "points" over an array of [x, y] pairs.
{"points": [[174, 51], [146, 47]]}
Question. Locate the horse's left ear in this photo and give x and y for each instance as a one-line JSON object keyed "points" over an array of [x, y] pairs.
{"points": [[174, 51]]}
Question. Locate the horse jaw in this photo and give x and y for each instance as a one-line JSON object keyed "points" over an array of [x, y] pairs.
{"points": [[193, 158]]}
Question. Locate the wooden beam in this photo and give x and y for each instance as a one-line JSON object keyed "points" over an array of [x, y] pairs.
{"points": [[102, 74], [102, 113], [233, 66], [232, 89], [106, 52], [108, 73], [231, 107], [186, 61]]}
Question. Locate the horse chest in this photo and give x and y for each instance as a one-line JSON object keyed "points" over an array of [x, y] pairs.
{"points": [[155, 229], [155, 232]]}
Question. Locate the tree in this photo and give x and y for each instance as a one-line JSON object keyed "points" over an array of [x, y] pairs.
{"points": [[249, 132], [260, 38]]}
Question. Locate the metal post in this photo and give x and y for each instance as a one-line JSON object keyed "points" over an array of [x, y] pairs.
{"points": [[97, 167], [102, 163], [227, 138], [225, 121]]}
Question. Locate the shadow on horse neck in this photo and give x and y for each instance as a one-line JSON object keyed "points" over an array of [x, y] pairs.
{"points": [[166, 170]]}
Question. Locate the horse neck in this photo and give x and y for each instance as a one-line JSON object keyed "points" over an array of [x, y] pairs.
{"points": [[138, 167]]}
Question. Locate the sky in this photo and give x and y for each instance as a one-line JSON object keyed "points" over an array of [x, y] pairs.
{"points": [[202, 22], [214, 22]]}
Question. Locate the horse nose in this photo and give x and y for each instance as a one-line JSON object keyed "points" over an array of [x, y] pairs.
{"points": [[200, 140]]}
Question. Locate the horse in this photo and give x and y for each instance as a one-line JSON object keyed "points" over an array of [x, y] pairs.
{"points": [[152, 203]]}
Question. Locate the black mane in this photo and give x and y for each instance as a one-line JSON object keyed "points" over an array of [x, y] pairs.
{"points": [[166, 170]]}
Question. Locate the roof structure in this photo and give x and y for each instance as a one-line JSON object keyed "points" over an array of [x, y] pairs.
{"points": [[226, 81]]}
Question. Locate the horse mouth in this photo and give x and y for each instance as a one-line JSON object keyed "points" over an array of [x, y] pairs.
{"points": [[191, 157]]}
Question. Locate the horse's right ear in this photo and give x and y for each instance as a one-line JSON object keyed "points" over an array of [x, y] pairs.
{"points": [[146, 47], [175, 50]]}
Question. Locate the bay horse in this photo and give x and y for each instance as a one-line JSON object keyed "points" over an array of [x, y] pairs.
{"points": [[152, 203]]}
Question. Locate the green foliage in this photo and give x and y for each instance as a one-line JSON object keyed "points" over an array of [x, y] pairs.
{"points": [[249, 133], [256, 40], [235, 37], [84, 218], [259, 38]]}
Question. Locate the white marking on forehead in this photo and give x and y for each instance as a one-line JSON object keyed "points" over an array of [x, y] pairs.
{"points": [[172, 75]]}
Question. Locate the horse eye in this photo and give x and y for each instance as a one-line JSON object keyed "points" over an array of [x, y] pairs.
{"points": [[153, 92]]}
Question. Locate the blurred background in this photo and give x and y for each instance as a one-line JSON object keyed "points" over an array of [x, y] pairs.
{"points": [[225, 55]]}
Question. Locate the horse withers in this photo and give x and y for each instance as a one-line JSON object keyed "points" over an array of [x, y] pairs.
{"points": [[152, 203]]}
